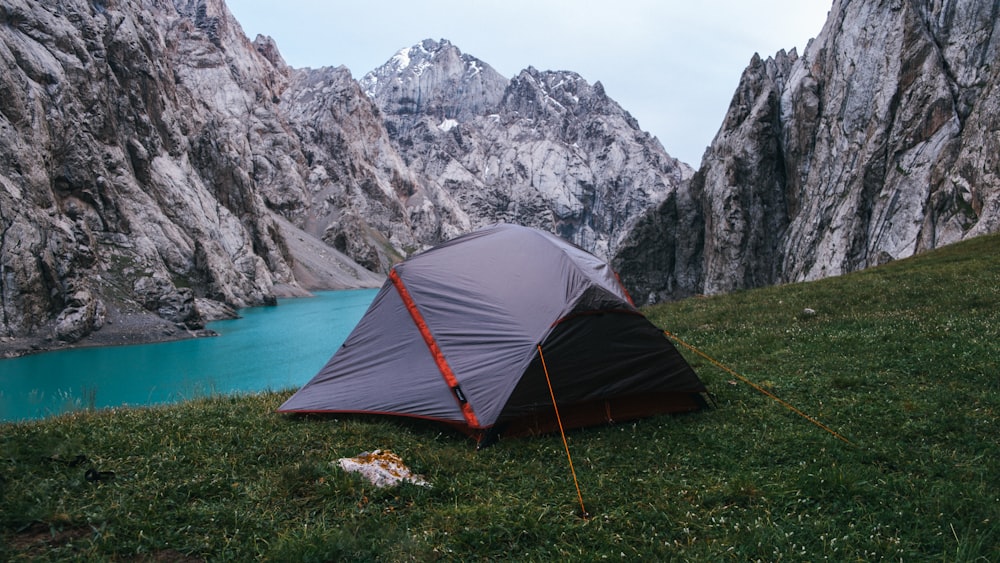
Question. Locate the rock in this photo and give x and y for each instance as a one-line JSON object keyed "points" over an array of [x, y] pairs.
{"points": [[544, 149], [383, 468], [153, 156], [212, 310], [83, 314], [845, 157], [140, 141], [353, 175]]}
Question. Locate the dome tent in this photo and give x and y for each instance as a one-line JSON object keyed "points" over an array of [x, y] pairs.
{"points": [[459, 334]]}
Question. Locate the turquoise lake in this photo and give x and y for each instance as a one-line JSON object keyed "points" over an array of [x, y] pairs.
{"points": [[269, 348]]}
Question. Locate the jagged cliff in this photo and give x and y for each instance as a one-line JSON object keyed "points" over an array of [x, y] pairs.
{"points": [[142, 153], [878, 142], [544, 149], [353, 175], [158, 169], [157, 165]]}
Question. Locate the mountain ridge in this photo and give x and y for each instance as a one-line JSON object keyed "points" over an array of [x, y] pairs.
{"points": [[159, 165], [544, 149], [160, 169], [842, 158]]}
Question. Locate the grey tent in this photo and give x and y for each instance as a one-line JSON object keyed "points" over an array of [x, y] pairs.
{"points": [[454, 335]]}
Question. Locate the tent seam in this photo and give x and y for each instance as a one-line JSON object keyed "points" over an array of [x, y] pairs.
{"points": [[435, 350]]}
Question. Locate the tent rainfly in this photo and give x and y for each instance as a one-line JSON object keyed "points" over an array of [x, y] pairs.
{"points": [[459, 334]]}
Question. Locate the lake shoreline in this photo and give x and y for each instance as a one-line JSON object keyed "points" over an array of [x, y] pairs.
{"points": [[317, 267], [132, 327], [120, 329], [127, 328], [264, 347]]}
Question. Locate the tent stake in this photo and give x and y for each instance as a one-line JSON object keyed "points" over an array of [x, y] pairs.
{"points": [[579, 495]]}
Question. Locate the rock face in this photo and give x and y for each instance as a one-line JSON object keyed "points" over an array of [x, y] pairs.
{"points": [[158, 169], [354, 178], [877, 143], [140, 157], [544, 149]]}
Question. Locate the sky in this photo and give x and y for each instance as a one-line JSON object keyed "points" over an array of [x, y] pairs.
{"points": [[673, 64]]}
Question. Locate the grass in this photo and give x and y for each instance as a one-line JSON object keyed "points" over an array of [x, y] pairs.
{"points": [[901, 360]]}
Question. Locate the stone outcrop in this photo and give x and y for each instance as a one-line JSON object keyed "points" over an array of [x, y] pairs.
{"points": [[141, 149], [353, 175], [544, 149], [878, 142], [159, 170]]}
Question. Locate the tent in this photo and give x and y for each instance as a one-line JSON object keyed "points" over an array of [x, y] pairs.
{"points": [[465, 332]]}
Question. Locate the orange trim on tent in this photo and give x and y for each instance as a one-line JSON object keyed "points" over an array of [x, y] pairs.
{"points": [[624, 290], [439, 359]]}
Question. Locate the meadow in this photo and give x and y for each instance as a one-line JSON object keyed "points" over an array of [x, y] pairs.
{"points": [[899, 361]]}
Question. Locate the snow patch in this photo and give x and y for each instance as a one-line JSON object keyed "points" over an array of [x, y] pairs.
{"points": [[401, 60], [448, 125]]}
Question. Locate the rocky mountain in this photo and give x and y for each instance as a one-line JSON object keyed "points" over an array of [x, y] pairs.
{"points": [[544, 149], [144, 154], [878, 142], [354, 178], [159, 170]]}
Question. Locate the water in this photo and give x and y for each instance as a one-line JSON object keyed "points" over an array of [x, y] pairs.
{"points": [[270, 348]]}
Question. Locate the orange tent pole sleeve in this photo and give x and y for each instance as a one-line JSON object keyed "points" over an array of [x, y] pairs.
{"points": [[439, 359], [624, 289]]}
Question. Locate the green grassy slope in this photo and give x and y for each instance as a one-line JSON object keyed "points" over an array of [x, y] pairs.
{"points": [[902, 360]]}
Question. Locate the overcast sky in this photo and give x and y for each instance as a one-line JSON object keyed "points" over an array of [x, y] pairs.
{"points": [[672, 64]]}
